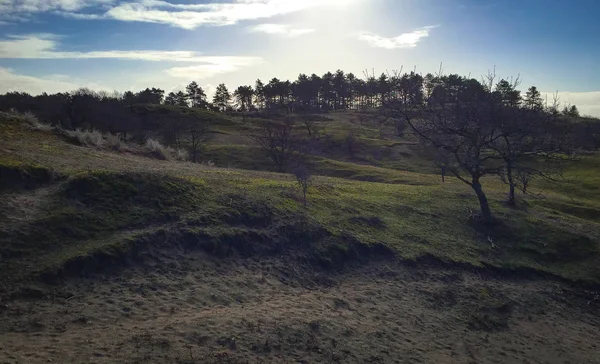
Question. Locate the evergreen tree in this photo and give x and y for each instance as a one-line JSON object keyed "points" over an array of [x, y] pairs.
{"points": [[222, 98], [533, 99], [196, 95]]}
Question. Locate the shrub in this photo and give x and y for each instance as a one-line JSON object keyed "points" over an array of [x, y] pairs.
{"points": [[181, 155], [156, 149], [29, 118], [113, 141], [90, 138]]}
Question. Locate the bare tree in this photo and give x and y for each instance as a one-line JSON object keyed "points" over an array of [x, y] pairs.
{"points": [[304, 179], [311, 126], [198, 135], [481, 129], [282, 142], [533, 142], [458, 121]]}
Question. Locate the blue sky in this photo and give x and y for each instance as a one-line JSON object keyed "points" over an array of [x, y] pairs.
{"points": [[59, 45]]}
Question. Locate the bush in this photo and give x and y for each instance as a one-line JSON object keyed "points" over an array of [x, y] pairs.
{"points": [[90, 138], [29, 118], [181, 155], [156, 149], [113, 141]]}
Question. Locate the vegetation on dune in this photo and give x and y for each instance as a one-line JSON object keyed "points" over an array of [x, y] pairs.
{"points": [[104, 215], [363, 182]]}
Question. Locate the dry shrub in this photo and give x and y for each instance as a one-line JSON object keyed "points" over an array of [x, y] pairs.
{"points": [[29, 118], [89, 138], [157, 150], [181, 155], [114, 142]]}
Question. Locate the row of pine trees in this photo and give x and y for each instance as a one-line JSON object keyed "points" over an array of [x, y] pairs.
{"points": [[339, 91]]}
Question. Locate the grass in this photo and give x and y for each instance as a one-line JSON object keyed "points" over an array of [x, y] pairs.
{"points": [[108, 205], [18, 174]]}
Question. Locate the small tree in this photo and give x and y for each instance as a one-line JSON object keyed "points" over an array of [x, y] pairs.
{"points": [[197, 135], [304, 179], [282, 142], [571, 111]]}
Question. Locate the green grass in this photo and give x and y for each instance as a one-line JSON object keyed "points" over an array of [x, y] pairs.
{"points": [[109, 205], [22, 174]]}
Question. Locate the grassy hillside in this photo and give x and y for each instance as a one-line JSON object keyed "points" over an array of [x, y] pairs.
{"points": [[68, 209]]}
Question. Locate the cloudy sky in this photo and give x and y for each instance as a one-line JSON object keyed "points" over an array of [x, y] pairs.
{"points": [[59, 45]]}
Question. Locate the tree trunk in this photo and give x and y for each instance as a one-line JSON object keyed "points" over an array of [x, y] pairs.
{"points": [[304, 195], [511, 184], [486, 213]]}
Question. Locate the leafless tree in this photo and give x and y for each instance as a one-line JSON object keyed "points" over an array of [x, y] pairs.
{"points": [[284, 144], [304, 179], [480, 129], [197, 135], [458, 121]]}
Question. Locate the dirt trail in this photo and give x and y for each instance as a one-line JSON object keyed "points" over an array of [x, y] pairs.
{"points": [[195, 309]]}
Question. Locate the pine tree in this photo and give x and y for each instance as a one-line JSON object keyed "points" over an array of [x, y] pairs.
{"points": [[222, 98], [533, 99], [196, 95]]}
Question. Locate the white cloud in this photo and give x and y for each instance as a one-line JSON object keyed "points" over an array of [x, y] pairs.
{"points": [[43, 46], [38, 6], [201, 71], [406, 40], [11, 81], [281, 29], [187, 16], [588, 103], [190, 16], [213, 66]]}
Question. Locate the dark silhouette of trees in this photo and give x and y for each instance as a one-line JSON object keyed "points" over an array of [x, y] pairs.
{"points": [[314, 93], [508, 93], [243, 96], [177, 99], [479, 130], [476, 129], [533, 99], [259, 94], [149, 96], [196, 95], [222, 98], [171, 99], [571, 111]]}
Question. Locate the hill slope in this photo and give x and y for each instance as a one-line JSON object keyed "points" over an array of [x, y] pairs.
{"points": [[141, 238]]}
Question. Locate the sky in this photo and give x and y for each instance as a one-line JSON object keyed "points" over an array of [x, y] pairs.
{"points": [[61, 45]]}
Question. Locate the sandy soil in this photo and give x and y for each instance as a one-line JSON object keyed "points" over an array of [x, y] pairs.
{"points": [[191, 308]]}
